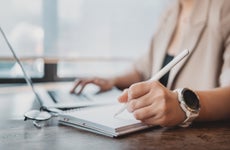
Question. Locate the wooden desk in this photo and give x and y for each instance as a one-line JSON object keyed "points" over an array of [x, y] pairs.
{"points": [[17, 134]]}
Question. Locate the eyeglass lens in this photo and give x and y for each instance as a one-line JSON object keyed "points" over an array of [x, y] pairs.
{"points": [[37, 115]]}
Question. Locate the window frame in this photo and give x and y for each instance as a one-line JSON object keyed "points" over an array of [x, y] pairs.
{"points": [[50, 75]]}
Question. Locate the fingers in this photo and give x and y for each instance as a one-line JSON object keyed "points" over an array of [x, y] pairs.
{"points": [[140, 102], [135, 91], [151, 115], [141, 95], [138, 89], [137, 95], [144, 113], [81, 85], [77, 83], [124, 96]]}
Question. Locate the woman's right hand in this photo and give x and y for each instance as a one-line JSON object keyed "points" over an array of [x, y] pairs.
{"points": [[104, 84]]}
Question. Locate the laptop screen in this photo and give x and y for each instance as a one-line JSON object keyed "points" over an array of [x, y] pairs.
{"points": [[26, 76]]}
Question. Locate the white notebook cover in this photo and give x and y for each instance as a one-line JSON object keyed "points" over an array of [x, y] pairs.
{"points": [[100, 119]]}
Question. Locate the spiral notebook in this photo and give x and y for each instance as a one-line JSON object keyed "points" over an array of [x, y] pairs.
{"points": [[101, 120]]}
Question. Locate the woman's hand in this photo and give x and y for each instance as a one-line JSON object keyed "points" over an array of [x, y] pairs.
{"points": [[104, 84], [153, 104]]}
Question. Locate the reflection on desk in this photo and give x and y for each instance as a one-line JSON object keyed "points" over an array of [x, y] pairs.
{"points": [[16, 134], [202, 136]]}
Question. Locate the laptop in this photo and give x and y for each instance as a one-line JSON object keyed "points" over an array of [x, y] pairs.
{"points": [[61, 98]]}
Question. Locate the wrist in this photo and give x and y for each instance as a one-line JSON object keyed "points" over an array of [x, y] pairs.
{"points": [[113, 81], [118, 82]]}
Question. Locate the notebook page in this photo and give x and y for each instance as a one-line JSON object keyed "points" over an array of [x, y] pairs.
{"points": [[103, 117]]}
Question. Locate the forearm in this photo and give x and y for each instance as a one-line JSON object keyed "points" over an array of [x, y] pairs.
{"points": [[125, 80], [215, 104]]}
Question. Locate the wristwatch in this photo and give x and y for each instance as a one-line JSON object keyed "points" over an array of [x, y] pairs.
{"points": [[189, 103]]}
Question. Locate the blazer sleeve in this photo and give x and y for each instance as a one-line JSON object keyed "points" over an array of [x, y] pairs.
{"points": [[225, 26]]}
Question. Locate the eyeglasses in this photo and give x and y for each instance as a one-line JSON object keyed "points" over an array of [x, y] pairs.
{"points": [[40, 116]]}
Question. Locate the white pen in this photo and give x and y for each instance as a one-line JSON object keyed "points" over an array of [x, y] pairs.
{"points": [[162, 72]]}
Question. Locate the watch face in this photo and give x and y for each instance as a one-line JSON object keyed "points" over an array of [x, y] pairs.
{"points": [[191, 99]]}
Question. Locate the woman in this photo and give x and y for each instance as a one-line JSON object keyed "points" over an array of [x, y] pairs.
{"points": [[201, 26]]}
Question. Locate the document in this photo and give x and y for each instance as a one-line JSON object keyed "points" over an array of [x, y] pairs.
{"points": [[100, 119]]}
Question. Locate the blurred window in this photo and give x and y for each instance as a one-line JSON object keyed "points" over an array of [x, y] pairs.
{"points": [[77, 37]]}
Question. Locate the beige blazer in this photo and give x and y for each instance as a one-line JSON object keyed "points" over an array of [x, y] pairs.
{"points": [[208, 39]]}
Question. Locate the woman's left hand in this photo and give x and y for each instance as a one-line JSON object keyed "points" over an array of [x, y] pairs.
{"points": [[153, 104]]}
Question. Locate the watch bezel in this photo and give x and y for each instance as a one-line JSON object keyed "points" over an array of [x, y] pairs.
{"points": [[191, 113], [190, 99]]}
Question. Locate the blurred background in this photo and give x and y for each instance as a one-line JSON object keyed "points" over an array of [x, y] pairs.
{"points": [[63, 39]]}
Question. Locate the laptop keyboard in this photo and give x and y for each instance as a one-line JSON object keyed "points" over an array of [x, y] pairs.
{"points": [[60, 96]]}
